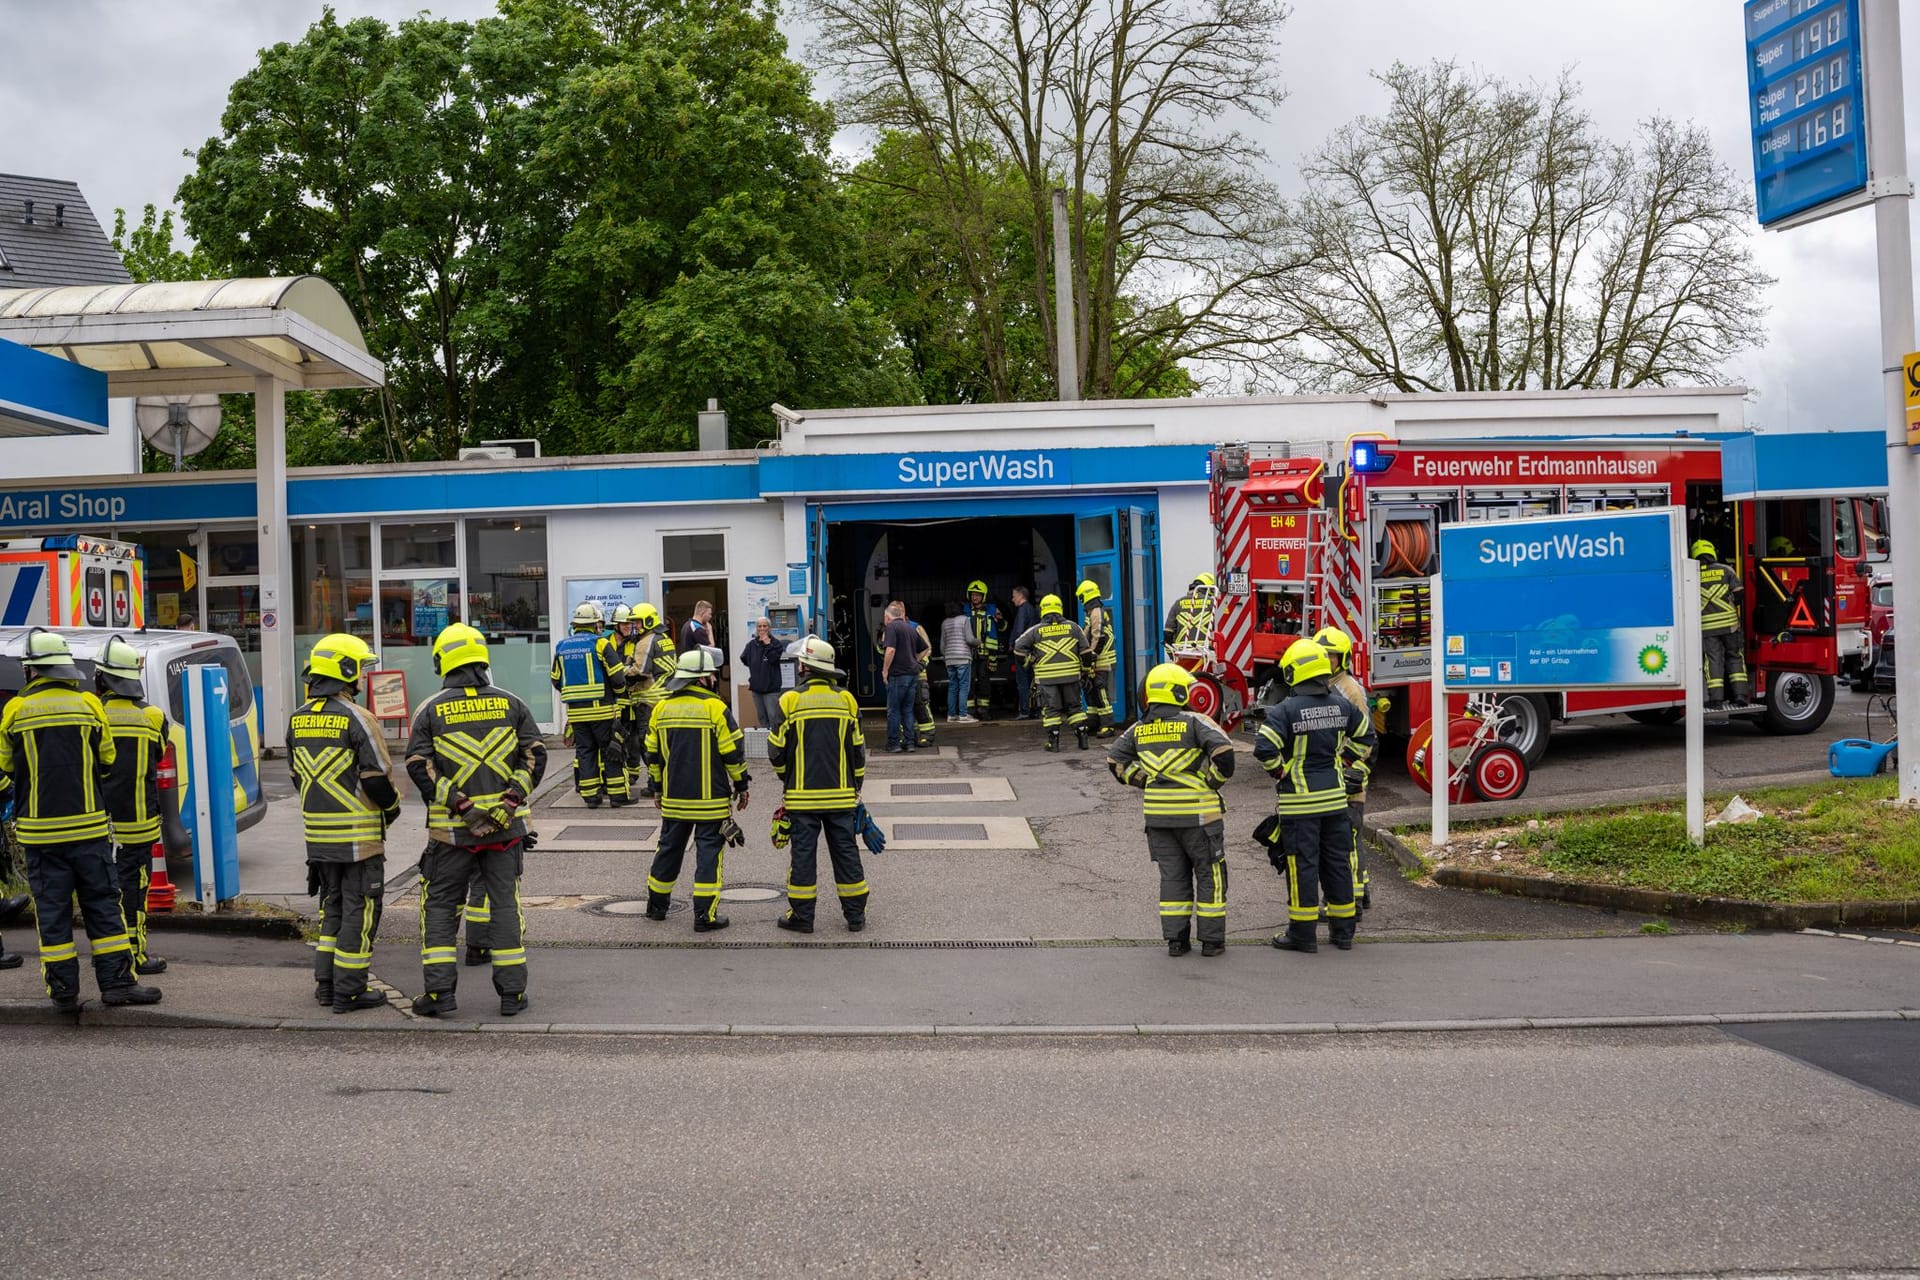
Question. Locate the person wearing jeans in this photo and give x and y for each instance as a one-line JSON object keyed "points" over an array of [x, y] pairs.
{"points": [[956, 650], [900, 668]]}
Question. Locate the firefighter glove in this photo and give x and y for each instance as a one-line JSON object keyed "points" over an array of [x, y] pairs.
{"points": [[730, 832], [870, 833], [782, 829]]}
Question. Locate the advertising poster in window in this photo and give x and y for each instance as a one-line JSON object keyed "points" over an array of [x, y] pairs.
{"points": [[605, 592], [429, 608]]}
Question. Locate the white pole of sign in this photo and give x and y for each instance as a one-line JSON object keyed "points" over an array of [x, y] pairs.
{"points": [[202, 811], [1439, 754], [1693, 668], [1887, 136]]}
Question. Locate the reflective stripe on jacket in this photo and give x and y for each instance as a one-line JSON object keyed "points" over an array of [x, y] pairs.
{"points": [[696, 755], [1179, 760], [818, 749], [1100, 637], [133, 785], [656, 662], [1055, 648], [1720, 593], [57, 748], [482, 742], [332, 745], [1302, 742], [1189, 623]]}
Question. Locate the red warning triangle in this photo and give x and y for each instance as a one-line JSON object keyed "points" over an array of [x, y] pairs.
{"points": [[1802, 619]]}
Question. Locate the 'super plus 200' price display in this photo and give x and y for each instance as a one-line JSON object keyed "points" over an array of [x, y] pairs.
{"points": [[1803, 67]]}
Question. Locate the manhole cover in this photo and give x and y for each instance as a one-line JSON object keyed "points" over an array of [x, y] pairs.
{"points": [[933, 788], [752, 893], [626, 907], [939, 831], [602, 832]]}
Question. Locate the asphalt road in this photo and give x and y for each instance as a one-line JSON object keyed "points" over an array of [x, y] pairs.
{"points": [[1546, 1153]]}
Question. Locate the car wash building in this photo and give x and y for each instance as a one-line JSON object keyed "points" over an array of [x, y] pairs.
{"points": [[846, 509]]}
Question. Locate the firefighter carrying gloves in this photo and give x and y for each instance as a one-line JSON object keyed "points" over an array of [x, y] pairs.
{"points": [[986, 624], [1099, 675], [347, 802], [697, 757], [1723, 643], [652, 666], [1180, 760], [57, 751], [1058, 650], [1302, 743], [1356, 766], [821, 758], [142, 814], [590, 676], [1189, 626], [475, 755]]}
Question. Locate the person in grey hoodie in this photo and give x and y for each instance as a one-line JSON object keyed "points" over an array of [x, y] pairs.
{"points": [[957, 650]]}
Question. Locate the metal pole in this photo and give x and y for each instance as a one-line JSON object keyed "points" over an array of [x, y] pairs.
{"points": [[1069, 341], [1887, 136], [197, 751], [278, 667], [1440, 746], [1693, 668]]}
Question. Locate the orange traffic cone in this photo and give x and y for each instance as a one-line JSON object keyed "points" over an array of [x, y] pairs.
{"points": [[160, 893]]}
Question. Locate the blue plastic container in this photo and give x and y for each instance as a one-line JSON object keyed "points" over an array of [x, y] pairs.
{"points": [[1858, 758]]}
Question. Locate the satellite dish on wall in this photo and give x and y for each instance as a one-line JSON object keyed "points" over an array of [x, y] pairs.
{"points": [[179, 425]]}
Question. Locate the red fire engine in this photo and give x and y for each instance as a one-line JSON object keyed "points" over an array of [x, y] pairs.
{"points": [[1302, 544]]}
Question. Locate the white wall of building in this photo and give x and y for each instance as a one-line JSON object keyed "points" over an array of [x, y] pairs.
{"points": [[116, 453]]}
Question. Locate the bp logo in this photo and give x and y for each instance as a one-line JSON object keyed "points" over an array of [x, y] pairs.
{"points": [[1653, 660]]}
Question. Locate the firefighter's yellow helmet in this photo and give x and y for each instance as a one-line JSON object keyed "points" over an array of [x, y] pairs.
{"points": [[976, 588], [622, 615], [816, 654], [1203, 583], [49, 655], [458, 646], [647, 616], [1703, 550], [1338, 644], [339, 657], [1303, 660], [1088, 591], [1050, 606], [118, 667], [1168, 685], [587, 617]]}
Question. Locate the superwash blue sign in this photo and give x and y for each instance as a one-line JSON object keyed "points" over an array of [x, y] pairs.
{"points": [[1562, 602]]}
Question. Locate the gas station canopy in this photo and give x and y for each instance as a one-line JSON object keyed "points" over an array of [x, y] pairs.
{"points": [[197, 335]]}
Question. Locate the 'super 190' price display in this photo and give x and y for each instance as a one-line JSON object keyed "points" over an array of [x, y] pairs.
{"points": [[1803, 66]]}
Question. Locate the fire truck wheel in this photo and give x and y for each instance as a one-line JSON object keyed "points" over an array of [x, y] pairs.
{"points": [[1531, 725], [1797, 702], [1205, 697], [1658, 715], [1498, 773]]}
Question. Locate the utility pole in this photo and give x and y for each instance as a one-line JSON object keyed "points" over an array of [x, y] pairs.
{"points": [[1068, 338], [1892, 190]]}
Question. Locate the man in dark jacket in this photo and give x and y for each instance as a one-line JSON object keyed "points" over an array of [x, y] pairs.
{"points": [[762, 659], [1025, 619]]}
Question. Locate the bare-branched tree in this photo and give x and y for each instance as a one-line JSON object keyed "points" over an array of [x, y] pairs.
{"points": [[1481, 236], [1131, 106]]}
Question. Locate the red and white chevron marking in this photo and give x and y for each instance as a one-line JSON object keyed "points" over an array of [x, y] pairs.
{"points": [[1233, 552]]}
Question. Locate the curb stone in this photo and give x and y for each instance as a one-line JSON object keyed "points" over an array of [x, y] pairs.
{"points": [[275, 928], [1395, 848], [1687, 906]]}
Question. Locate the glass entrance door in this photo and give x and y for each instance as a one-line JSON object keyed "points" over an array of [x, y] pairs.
{"points": [[1097, 560], [412, 611]]}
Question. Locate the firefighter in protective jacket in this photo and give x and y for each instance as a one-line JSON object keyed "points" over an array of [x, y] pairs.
{"points": [[142, 814], [1180, 760], [821, 757], [347, 801], [1723, 641], [56, 754], [985, 621], [588, 672], [654, 658], [1301, 743], [1189, 627], [625, 634], [1106, 656], [1058, 651], [1356, 767], [697, 757], [475, 755]]}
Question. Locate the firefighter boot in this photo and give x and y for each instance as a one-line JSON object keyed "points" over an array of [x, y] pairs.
{"points": [[432, 1006], [657, 904], [513, 1004], [1178, 946], [1213, 948], [10, 959], [323, 994], [1080, 735], [1053, 739], [149, 966], [130, 994], [356, 1004]]}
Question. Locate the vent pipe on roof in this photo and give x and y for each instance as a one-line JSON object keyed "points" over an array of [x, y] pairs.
{"points": [[29, 218], [713, 428], [59, 215]]}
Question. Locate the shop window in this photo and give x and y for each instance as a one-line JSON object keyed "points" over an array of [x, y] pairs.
{"points": [[507, 601], [694, 553], [332, 582], [163, 573], [232, 553], [416, 546]]}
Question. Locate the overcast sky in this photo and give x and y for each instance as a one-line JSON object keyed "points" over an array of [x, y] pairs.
{"points": [[116, 94]]}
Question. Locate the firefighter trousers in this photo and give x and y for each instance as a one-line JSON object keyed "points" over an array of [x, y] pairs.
{"points": [[57, 874], [1319, 849], [599, 766], [980, 689], [1060, 704], [843, 849], [352, 895], [923, 713], [1097, 689], [1193, 880], [709, 865], [133, 867], [1725, 654], [450, 878], [634, 725], [1357, 820]]}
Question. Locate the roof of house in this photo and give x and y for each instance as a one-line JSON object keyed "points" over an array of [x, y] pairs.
{"points": [[57, 242]]}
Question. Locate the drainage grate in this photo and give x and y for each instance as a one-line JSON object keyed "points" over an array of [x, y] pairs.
{"points": [[602, 832], [939, 831], [933, 788]]}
